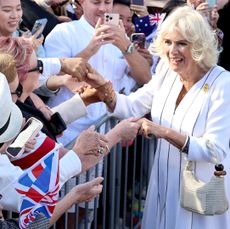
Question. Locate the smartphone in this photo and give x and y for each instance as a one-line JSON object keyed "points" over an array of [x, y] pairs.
{"points": [[211, 3], [40, 23], [29, 131], [139, 39], [57, 123], [111, 18], [137, 2]]}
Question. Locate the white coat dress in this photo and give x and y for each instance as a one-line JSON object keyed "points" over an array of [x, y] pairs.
{"points": [[204, 114]]}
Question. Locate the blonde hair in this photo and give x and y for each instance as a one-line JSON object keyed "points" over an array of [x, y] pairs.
{"points": [[8, 66], [21, 49], [196, 30]]}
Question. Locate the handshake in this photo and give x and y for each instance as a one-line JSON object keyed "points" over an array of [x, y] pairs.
{"points": [[91, 146]]}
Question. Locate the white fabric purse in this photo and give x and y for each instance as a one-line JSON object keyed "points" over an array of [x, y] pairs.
{"points": [[200, 197]]}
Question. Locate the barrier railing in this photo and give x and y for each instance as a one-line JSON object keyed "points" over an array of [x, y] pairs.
{"points": [[126, 171]]}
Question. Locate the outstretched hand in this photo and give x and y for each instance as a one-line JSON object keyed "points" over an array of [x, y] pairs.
{"points": [[88, 191], [93, 78], [88, 94], [90, 147], [127, 129], [149, 128]]}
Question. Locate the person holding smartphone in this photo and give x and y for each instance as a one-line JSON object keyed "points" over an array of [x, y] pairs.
{"points": [[10, 124], [107, 48], [11, 25]]}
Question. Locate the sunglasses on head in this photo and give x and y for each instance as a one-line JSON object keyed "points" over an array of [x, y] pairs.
{"points": [[38, 68], [18, 91]]}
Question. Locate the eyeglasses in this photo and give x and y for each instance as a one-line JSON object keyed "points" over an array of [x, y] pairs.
{"points": [[38, 68], [18, 91]]}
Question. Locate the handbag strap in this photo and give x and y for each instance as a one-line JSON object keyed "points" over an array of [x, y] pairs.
{"points": [[190, 166]]}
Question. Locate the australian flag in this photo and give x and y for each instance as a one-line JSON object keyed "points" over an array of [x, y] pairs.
{"points": [[39, 186]]}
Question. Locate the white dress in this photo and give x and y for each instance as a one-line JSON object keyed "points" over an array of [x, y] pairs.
{"points": [[204, 114]]}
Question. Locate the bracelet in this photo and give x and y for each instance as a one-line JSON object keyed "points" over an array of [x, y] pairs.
{"points": [[185, 147], [107, 94], [43, 106]]}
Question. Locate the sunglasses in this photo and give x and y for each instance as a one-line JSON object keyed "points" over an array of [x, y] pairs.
{"points": [[38, 68], [1, 144], [18, 91]]}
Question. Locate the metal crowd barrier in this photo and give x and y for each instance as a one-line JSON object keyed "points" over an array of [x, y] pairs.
{"points": [[126, 171]]}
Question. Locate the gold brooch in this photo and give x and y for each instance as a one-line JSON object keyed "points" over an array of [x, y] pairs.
{"points": [[205, 88]]}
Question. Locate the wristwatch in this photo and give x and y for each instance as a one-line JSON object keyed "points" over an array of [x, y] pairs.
{"points": [[129, 50]]}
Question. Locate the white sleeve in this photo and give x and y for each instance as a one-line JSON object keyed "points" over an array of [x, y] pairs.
{"points": [[213, 145], [51, 66], [71, 109], [8, 176], [137, 104], [70, 165]]}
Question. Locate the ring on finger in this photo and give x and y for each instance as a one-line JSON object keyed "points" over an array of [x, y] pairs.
{"points": [[100, 150]]}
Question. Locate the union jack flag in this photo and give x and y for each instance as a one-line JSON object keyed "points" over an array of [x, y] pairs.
{"points": [[155, 18], [39, 186]]}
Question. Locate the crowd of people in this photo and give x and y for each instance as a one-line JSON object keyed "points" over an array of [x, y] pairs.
{"points": [[82, 68]]}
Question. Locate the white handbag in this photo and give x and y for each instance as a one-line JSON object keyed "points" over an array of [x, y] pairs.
{"points": [[200, 197]]}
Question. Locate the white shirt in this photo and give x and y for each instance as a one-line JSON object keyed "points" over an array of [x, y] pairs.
{"points": [[51, 66]]}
